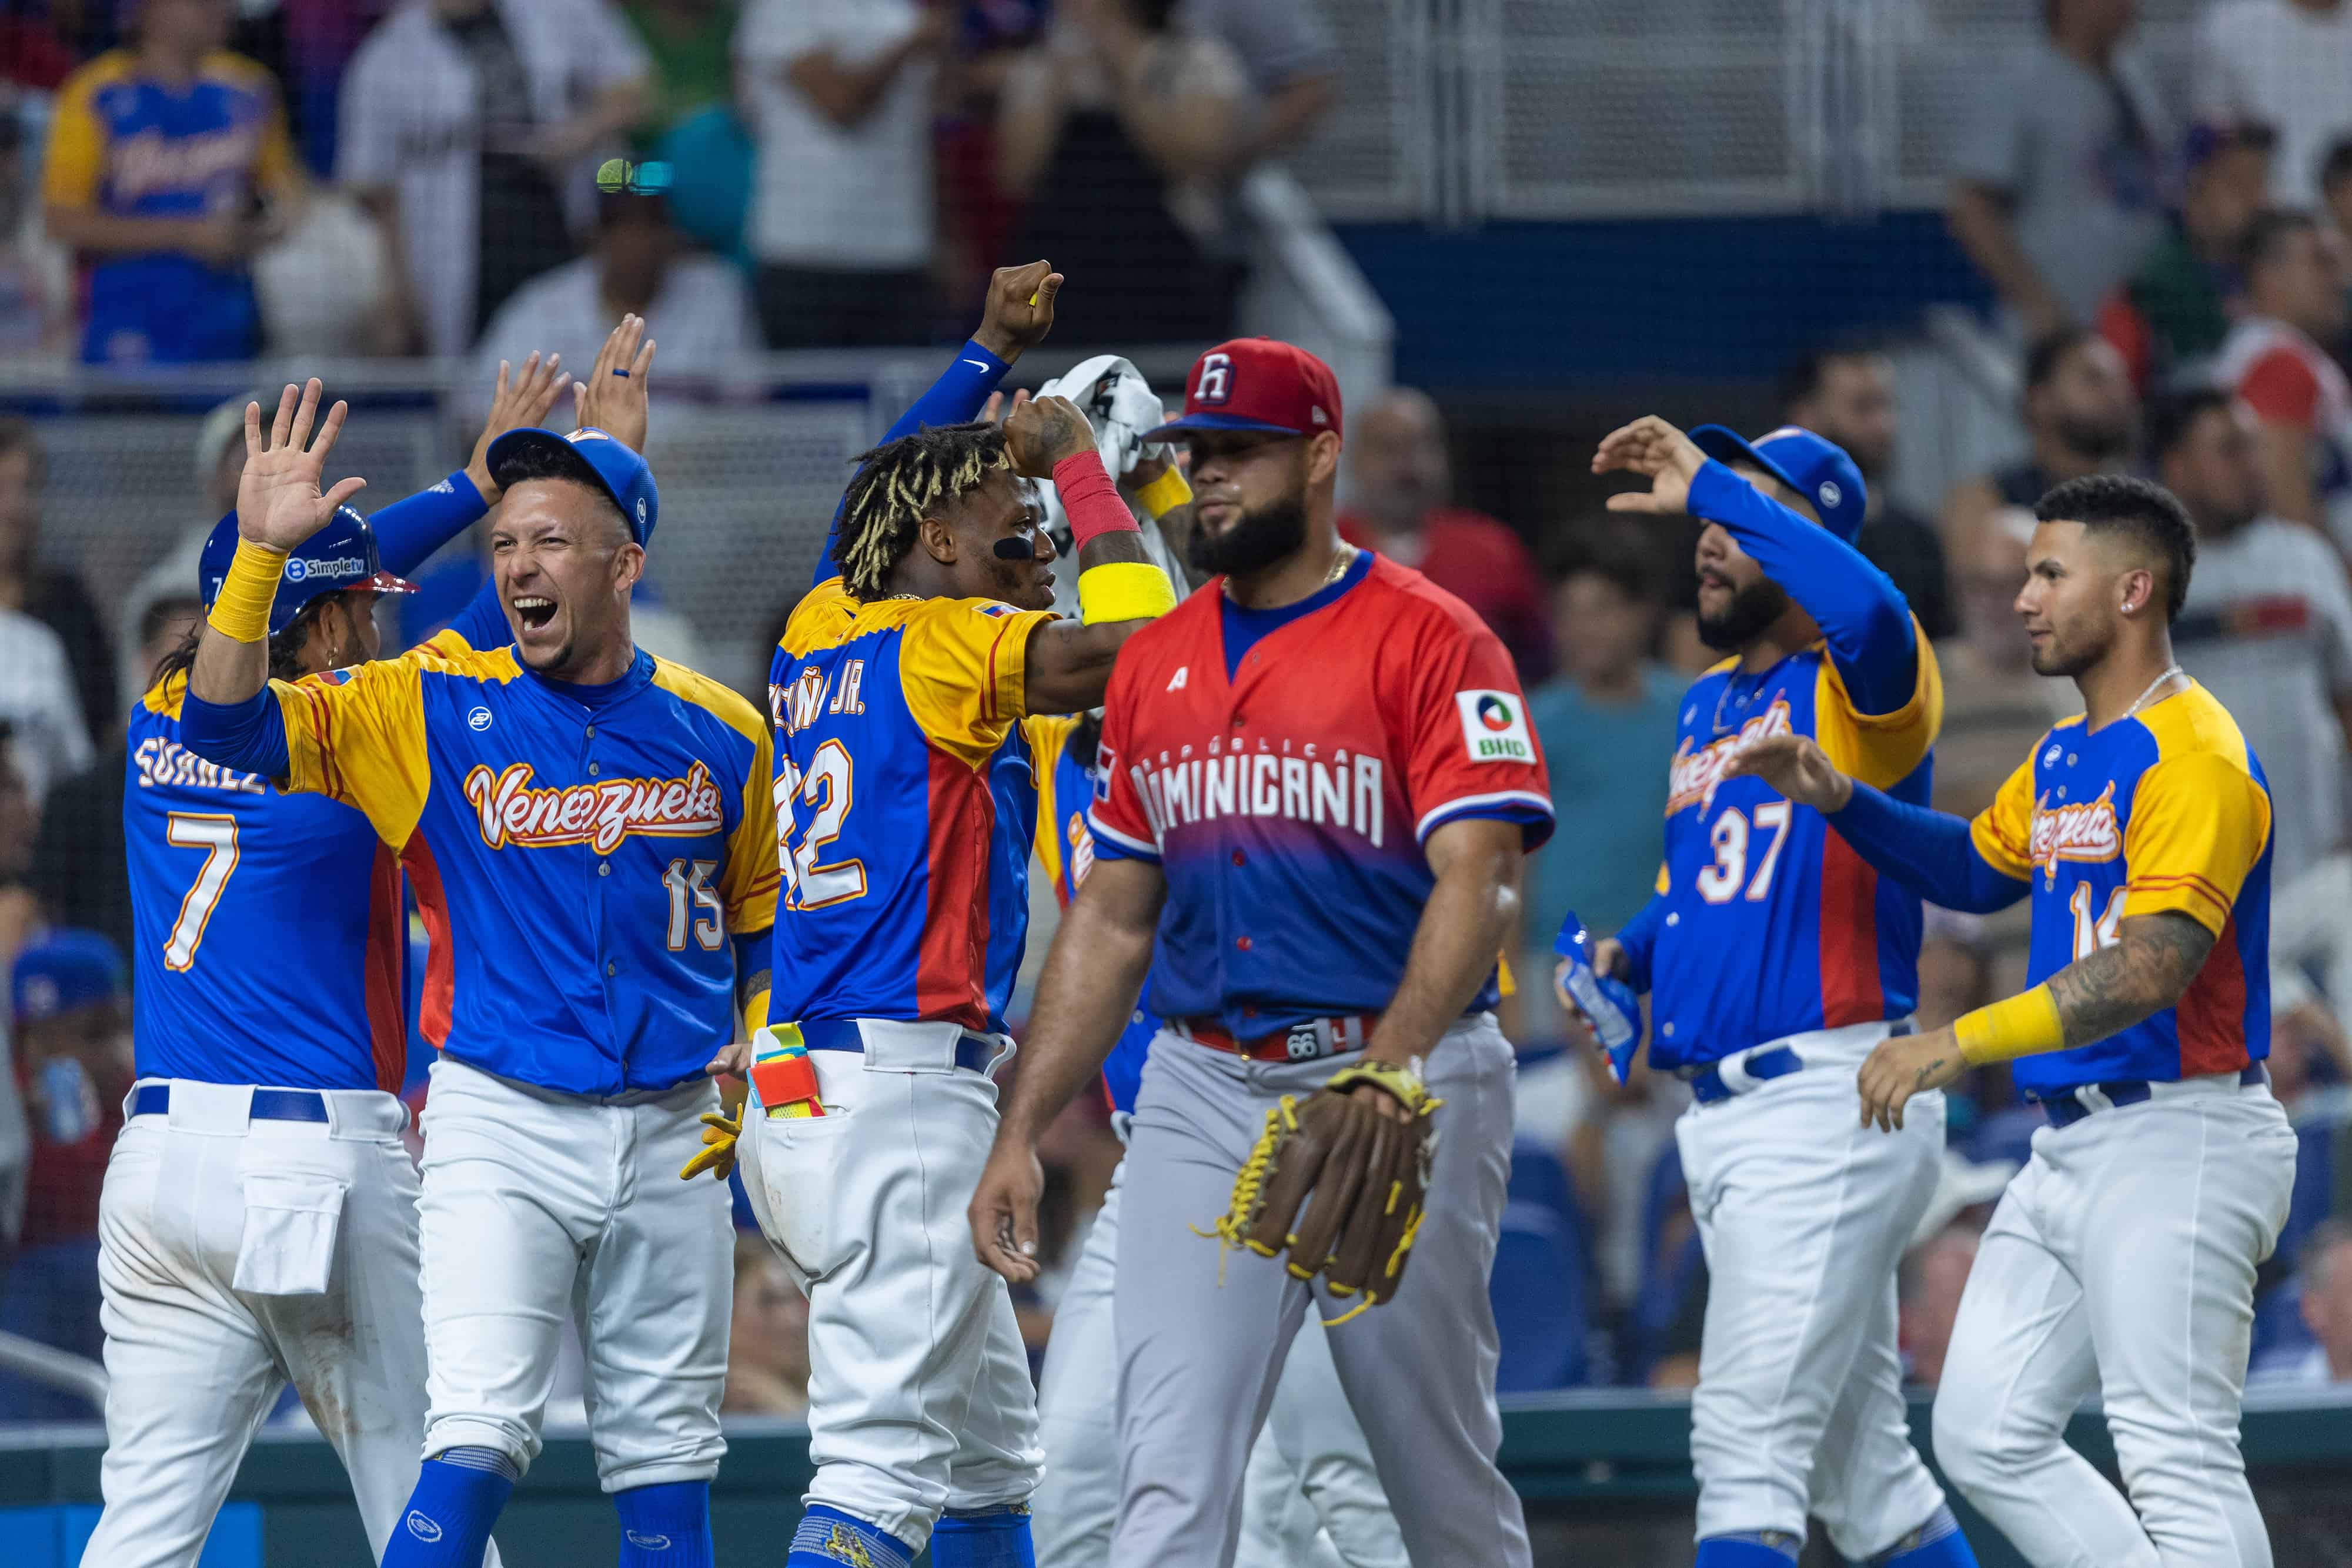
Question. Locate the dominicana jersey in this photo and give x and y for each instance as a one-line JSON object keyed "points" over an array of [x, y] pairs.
{"points": [[1285, 768], [2164, 810], [906, 805], [1065, 848], [1767, 923]]}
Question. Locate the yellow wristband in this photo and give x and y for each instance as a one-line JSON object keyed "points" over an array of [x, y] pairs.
{"points": [[2018, 1025], [1165, 494], [1124, 590], [241, 608]]}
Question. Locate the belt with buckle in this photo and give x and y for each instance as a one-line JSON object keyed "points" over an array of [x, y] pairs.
{"points": [[1708, 1085], [2068, 1106], [269, 1105], [1308, 1041]]}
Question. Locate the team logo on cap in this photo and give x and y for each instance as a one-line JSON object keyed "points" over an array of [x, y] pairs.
{"points": [[641, 510], [1216, 383], [1830, 495]]}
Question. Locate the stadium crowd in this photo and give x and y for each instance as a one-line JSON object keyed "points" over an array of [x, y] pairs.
{"points": [[195, 181]]}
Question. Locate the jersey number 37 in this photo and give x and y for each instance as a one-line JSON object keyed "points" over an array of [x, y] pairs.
{"points": [[828, 790]]}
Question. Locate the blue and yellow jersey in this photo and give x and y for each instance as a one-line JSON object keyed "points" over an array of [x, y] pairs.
{"points": [[906, 798], [580, 855], [1065, 848], [127, 145], [2166, 810], [268, 934]]}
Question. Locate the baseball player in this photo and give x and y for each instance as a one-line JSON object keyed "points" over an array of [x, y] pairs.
{"points": [[589, 835], [1321, 765], [907, 805], [1776, 960], [2122, 1259], [259, 1222]]}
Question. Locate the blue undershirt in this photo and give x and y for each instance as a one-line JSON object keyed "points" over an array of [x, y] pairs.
{"points": [[1246, 628]]}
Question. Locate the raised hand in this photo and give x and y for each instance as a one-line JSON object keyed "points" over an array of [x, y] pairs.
{"points": [[1020, 309], [1661, 453], [519, 404], [1042, 431], [1797, 766], [278, 503], [614, 396]]}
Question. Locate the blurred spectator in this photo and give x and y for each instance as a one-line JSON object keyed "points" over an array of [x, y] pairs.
{"points": [[2060, 183], [471, 130], [168, 168], [2287, 63], [219, 463], [2081, 416], [1288, 53], [1401, 488], [2173, 310], [1995, 706], [1606, 723], [843, 214], [80, 870], [2308, 1050], [696, 308], [688, 41], [36, 288], [767, 1342], [2276, 360], [2325, 1301], [1955, 973], [54, 596], [31, 53], [1121, 133], [2268, 622], [19, 912], [1847, 394], [2335, 188], [1927, 1293], [37, 700]]}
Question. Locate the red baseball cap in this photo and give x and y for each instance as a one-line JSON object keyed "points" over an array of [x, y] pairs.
{"points": [[1257, 383]]}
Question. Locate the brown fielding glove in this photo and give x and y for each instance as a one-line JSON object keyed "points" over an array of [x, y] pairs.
{"points": [[1366, 1172]]}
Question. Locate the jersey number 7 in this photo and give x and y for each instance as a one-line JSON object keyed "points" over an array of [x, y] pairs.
{"points": [[216, 836], [829, 787]]}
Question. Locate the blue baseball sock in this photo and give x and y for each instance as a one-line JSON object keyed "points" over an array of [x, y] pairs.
{"points": [[665, 1526], [984, 1538], [1937, 1543], [446, 1523], [827, 1538], [1746, 1549]]}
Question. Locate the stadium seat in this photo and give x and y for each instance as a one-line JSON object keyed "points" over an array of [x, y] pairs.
{"points": [[1538, 1177], [1537, 1291]]}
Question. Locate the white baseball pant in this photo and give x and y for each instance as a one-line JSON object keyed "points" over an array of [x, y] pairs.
{"points": [[1805, 1213], [920, 1396], [1312, 1500], [1199, 1361], [235, 1254], [2121, 1262], [539, 1205]]}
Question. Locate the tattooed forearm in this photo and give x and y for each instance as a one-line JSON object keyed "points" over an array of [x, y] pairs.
{"points": [[2150, 966]]}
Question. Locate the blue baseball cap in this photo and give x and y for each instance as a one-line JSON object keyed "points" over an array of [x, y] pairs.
{"points": [[64, 970], [594, 458], [339, 555], [1816, 469]]}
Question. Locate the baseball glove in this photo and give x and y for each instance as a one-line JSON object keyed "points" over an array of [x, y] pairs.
{"points": [[1365, 1171]]}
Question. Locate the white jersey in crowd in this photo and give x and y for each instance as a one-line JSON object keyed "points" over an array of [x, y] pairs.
{"points": [[2282, 65], [701, 319], [2257, 344], [51, 741]]}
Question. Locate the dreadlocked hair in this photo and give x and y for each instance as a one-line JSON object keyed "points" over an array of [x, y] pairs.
{"points": [[899, 484]]}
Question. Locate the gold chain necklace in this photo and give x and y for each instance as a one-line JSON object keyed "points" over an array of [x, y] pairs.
{"points": [[1341, 559]]}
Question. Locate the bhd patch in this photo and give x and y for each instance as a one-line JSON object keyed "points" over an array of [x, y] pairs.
{"points": [[1495, 726]]}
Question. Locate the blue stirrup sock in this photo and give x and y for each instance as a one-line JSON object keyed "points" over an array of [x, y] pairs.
{"points": [[1937, 1543], [446, 1523], [665, 1526], [1750, 1549], [984, 1538], [827, 1538]]}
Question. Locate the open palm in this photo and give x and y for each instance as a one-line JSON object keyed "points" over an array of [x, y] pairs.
{"points": [[1658, 452], [279, 502]]}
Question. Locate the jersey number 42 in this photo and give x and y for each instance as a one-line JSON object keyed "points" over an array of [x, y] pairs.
{"points": [[828, 788]]}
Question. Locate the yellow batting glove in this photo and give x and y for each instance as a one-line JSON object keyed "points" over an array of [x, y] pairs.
{"points": [[720, 1128]]}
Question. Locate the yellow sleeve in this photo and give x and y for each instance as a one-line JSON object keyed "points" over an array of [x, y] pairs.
{"points": [[749, 882], [1664, 882], [1048, 733], [2199, 823], [964, 665], [1880, 749], [2003, 831], [76, 159], [358, 736]]}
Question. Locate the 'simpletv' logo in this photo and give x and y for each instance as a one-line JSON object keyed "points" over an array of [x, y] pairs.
{"points": [[1494, 726]]}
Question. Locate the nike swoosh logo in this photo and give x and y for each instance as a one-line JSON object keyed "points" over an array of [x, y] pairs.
{"points": [[980, 364]]}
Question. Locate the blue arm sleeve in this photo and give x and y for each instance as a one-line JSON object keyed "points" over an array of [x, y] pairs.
{"points": [[1863, 616], [483, 623], [754, 958], [1928, 851], [249, 736], [408, 532], [954, 399], [1639, 937]]}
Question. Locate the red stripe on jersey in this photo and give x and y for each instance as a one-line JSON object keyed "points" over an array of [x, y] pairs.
{"points": [[387, 947], [440, 965], [1849, 937], [2211, 1017], [952, 965]]}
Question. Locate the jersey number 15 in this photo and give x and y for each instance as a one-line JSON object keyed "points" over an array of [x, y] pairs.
{"points": [[828, 787]]}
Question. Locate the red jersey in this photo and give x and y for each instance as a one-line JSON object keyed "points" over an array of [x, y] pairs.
{"points": [[1485, 565], [1286, 766]]}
